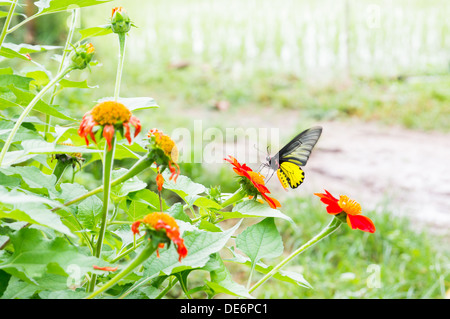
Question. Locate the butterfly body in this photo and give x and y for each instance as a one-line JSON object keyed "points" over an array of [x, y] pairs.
{"points": [[289, 160]]}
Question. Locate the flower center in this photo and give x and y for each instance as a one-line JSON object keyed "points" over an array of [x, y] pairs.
{"points": [[153, 219], [110, 112], [256, 177], [349, 206]]}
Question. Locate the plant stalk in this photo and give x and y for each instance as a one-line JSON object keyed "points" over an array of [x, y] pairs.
{"points": [[27, 110], [148, 250], [334, 224], [107, 172], [122, 44], [237, 195], [12, 8], [61, 66]]}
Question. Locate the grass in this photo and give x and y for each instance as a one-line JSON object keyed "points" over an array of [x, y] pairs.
{"points": [[410, 264]]}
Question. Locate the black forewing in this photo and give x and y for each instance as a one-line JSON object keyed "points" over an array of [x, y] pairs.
{"points": [[299, 149]]}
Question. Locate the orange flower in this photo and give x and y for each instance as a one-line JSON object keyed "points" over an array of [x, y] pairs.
{"points": [[350, 207], [170, 150], [110, 115], [163, 222], [252, 182]]}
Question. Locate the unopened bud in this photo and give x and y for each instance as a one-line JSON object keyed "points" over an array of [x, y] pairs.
{"points": [[120, 21], [82, 55]]}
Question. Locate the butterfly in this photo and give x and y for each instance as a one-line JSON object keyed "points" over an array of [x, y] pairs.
{"points": [[289, 160]]}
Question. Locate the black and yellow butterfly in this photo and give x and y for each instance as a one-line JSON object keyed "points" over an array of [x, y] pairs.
{"points": [[288, 161]]}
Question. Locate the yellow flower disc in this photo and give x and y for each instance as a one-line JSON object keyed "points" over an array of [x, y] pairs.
{"points": [[349, 206], [110, 112]]}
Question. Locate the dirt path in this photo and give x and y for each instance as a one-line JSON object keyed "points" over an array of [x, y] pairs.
{"points": [[406, 170]]}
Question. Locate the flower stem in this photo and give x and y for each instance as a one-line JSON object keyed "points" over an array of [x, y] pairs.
{"points": [[237, 195], [330, 228], [107, 171], [61, 66], [138, 167], [148, 250], [27, 110], [122, 42], [7, 22]]}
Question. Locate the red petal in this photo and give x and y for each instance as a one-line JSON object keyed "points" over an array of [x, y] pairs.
{"points": [[135, 227], [137, 125], [273, 203], [360, 222], [127, 132], [105, 268], [108, 134]]}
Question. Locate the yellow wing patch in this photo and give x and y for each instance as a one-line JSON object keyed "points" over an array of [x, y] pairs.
{"points": [[290, 174]]}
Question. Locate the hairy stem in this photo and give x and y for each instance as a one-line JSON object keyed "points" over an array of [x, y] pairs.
{"points": [[107, 171], [148, 250], [334, 224], [122, 43], [7, 22], [61, 66], [237, 195]]}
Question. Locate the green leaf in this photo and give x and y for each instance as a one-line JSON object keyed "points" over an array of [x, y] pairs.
{"points": [[41, 78], [24, 48], [95, 31], [33, 178], [89, 212], [51, 6], [221, 279], [35, 255], [149, 198], [18, 81], [43, 147], [200, 245], [10, 54], [133, 184], [137, 210], [261, 240], [282, 275], [184, 186], [134, 103], [24, 133], [24, 98], [76, 84], [253, 208]]}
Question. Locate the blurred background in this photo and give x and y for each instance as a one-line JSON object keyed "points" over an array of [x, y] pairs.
{"points": [[374, 74]]}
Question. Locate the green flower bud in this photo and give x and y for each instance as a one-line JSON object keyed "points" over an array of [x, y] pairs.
{"points": [[82, 55], [120, 21]]}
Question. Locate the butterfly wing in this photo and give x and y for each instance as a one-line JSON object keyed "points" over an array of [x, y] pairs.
{"points": [[290, 175], [299, 149], [294, 154]]}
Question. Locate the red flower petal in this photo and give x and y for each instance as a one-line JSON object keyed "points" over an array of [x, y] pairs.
{"points": [[105, 268], [331, 202], [137, 125], [127, 132], [108, 134], [135, 227], [273, 203], [360, 222]]}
